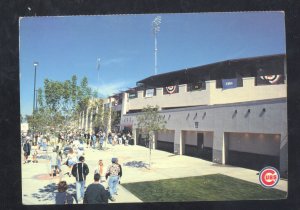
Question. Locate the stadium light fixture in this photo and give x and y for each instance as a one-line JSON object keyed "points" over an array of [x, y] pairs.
{"points": [[156, 28]]}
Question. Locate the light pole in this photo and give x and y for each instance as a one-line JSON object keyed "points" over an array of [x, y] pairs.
{"points": [[98, 69], [156, 28], [36, 100], [35, 64]]}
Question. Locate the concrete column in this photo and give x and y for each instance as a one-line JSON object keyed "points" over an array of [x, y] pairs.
{"points": [[178, 142], [86, 126], [218, 147], [210, 88], [283, 159], [159, 91], [82, 120], [109, 119], [225, 148], [78, 124], [124, 103], [182, 88], [91, 121], [134, 136], [248, 82]]}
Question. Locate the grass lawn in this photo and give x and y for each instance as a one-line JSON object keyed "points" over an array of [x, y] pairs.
{"points": [[214, 187]]}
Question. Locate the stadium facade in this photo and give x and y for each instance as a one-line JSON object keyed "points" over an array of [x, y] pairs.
{"points": [[231, 112]]}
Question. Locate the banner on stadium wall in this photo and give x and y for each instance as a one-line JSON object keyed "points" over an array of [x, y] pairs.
{"points": [[229, 83], [132, 95], [149, 93], [171, 89], [195, 86], [271, 79]]}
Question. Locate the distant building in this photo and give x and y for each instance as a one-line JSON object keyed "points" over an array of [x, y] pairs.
{"points": [[24, 128]]}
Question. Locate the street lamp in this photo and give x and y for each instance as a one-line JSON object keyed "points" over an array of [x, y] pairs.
{"points": [[98, 69], [35, 64], [156, 28]]}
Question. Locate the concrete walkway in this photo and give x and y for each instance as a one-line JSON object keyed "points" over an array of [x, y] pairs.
{"points": [[38, 187]]}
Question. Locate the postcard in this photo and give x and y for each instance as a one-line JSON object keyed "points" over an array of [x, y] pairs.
{"points": [[153, 108]]}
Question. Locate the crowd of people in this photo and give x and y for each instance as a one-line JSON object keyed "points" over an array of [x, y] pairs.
{"points": [[75, 165], [96, 140], [95, 193]]}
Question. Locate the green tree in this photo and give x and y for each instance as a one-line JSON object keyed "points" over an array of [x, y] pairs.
{"points": [[150, 122], [115, 118], [60, 103], [40, 98]]}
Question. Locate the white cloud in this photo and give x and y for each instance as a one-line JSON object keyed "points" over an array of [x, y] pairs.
{"points": [[109, 89], [112, 61]]}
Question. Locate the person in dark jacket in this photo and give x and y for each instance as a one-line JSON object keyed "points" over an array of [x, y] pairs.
{"points": [[62, 197], [95, 192], [26, 149], [80, 170]]}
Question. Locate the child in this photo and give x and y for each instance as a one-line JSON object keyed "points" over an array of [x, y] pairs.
{"points": [[100, 170], [59, 161]]}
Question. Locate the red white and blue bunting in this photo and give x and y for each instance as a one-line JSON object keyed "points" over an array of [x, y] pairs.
{"points": [[171, 89], [272, 79]]}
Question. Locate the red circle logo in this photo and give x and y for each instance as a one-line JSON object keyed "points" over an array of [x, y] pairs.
{"points": [[269, 177]]}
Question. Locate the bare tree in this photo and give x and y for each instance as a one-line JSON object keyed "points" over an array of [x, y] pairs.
{"points": [[150, 122]]}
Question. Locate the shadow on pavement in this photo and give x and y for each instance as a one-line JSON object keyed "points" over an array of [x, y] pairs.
{"points": [[136, 164], [48, 192]]}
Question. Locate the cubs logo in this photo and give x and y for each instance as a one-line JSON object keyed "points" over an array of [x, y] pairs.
{"points": [[269, 177], [171, 89]]}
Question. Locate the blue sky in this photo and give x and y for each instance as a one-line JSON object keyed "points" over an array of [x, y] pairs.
{"points": [[69, 45]]}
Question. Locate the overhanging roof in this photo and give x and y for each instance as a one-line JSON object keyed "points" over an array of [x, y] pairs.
{"points": [[247, 66]]}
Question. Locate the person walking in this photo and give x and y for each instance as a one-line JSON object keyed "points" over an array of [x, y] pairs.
{"points": [[35, 153], [119, 176], [115, 140], [88, 142], [59, 161], [123, 138], [80, 170], [120, 138], [101, 140], [26, 149], [53, 163], [113, 173], [95, 192], [62, 197], [109, 138], [71, 161], [44, 143], [94, 141]]}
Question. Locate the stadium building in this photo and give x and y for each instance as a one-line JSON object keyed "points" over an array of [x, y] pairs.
{"points": [[231, 112]]}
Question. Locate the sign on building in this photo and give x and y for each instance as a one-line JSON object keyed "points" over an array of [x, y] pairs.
{"points": [[229, 83], [149, 93], [132, 95]]}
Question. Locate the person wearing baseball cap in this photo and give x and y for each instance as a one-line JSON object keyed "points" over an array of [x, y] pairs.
{"points": [[113, 173]]}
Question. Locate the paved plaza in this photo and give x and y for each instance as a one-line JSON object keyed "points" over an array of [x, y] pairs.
{"points": [[39, 188]]}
